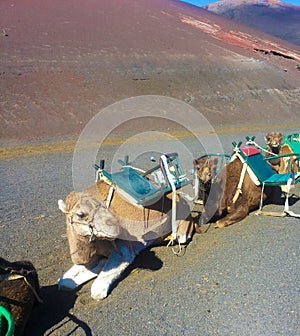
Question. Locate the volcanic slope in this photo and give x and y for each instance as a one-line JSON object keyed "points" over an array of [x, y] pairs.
{"points": [[273, 17], [63, 61]]}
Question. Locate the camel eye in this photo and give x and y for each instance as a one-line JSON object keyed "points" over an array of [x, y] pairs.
{"points": [[80, 214]]}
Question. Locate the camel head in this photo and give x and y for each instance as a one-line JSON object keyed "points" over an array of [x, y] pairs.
{"points": [[89, 217], [274, 141], [206, 169]]}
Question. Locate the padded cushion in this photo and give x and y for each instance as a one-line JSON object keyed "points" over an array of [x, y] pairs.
{"points": [[249, 150], [261, 168], [135, 185]]}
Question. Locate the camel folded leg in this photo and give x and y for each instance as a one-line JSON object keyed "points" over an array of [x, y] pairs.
{"points": [[114, 267], [79, 274], [235, 216]]}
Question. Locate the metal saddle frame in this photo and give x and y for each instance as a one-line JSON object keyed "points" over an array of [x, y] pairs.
{"points": [[262, 173], [143, 188]]}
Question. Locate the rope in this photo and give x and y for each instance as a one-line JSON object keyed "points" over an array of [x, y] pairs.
{"points": [[180, 249], [261, 199], [19, 276], [251, 142], [110, 195], [171, 182]]}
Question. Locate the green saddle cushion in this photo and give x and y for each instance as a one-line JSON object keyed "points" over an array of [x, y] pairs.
{"points": [[262, 169], [134, 184], [278, 179], [293, 141], [7, 326]]}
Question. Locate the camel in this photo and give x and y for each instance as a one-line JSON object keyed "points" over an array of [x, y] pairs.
{"points": [[284, 147], [19, 291], [290, 145], [206, 172], [104, 241], [231, 197], [274, 141]]}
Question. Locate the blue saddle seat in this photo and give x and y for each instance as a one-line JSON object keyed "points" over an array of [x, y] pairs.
{"points": [[137, 186], [143, 188], [260, 167]]}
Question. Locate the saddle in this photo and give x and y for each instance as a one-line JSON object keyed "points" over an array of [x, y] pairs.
{"points": [[262, 174], [144, 188]]}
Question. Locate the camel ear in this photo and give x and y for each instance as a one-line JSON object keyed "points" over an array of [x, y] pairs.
{"points": [[62, 206]]}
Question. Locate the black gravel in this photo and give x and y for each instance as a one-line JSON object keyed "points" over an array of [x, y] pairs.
{"points": [[240, 280]]}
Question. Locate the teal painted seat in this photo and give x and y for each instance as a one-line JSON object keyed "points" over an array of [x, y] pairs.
{"points": [[146, 188], [135, 185], [142, 188], [293, 141], [252, 157], [260, 167]]}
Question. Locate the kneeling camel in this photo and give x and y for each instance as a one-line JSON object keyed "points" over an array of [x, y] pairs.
{"points": [[234, 194], [104, 241]]}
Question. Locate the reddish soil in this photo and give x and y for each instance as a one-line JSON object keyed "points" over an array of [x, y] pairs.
{"points": [[62, 62]]}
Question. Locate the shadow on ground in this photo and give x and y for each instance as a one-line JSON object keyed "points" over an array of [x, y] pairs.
{"points": [[53, 314]]}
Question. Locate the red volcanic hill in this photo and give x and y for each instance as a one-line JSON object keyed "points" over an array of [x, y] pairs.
{"points": [[63, 61], [270, 16]]}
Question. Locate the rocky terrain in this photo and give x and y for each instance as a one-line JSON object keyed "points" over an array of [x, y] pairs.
{"points": [[61, 63], [273, 17]]}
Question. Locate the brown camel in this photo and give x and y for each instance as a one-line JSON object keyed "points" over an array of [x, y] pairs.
{"points": [[232, 198], [273, 142], [104, 240]]}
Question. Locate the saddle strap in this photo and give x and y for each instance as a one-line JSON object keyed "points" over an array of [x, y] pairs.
{"points": [[110, 195], [239, 187], [19, 276]]}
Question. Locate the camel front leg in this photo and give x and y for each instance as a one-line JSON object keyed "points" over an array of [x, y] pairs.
{"points": [[79, 274], [235, 216], [114, 267], [185, 231]]}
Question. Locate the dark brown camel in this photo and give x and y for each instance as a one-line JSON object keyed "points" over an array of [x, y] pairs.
{"points": [[227, 202], [19, 289], [207, 171]]}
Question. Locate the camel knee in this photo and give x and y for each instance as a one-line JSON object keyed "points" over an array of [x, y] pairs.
{"points": [[232, 218], [79, 274]]}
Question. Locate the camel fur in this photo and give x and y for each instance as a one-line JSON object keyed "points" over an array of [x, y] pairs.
{"points": [[274, 141], [105, 247], [284, 162], [222, 203], [206, 172], [19, 289], [281, 165]]}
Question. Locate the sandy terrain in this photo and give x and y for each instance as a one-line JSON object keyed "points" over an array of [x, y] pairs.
{"points": [[64, 61]]}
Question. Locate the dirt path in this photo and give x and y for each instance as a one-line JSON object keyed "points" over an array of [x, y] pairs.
{"points": [[240, 280]]}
